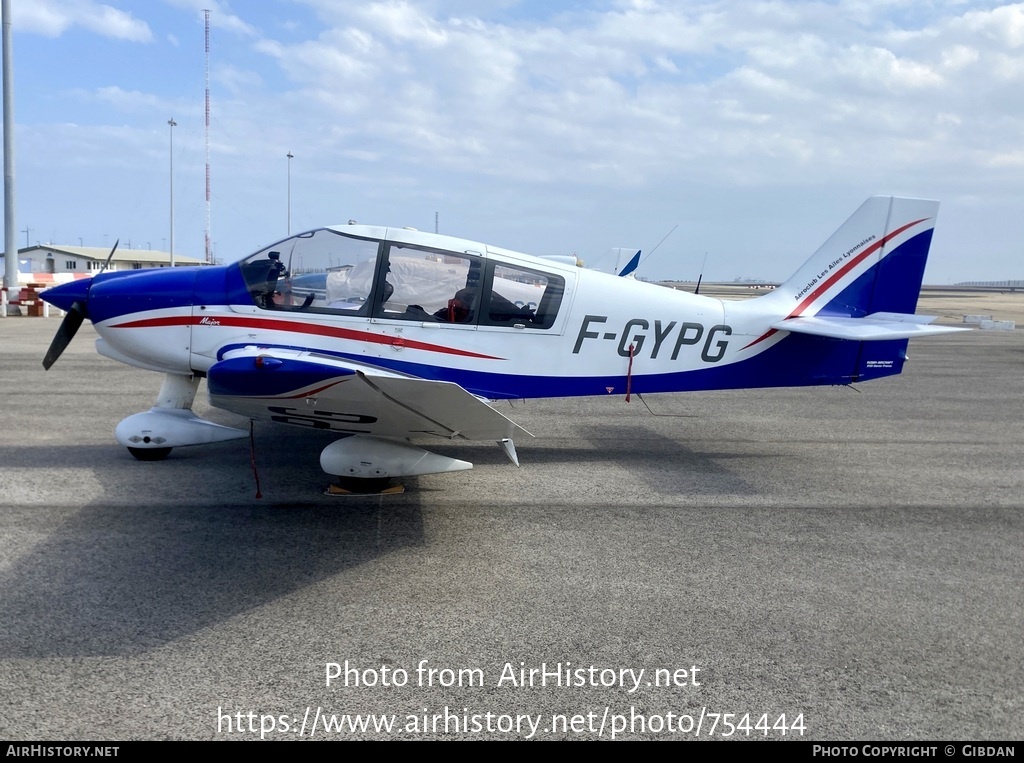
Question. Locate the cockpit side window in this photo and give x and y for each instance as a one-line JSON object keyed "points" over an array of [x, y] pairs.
{"points": [[517, 296], [321, 271], [430, 286]]}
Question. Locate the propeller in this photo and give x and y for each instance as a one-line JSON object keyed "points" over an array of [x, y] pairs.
{"points": [[77, 314], [68, 328], [111, 255]]}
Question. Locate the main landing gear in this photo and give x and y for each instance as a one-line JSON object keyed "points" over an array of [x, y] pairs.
{"points": [[366, 465]]}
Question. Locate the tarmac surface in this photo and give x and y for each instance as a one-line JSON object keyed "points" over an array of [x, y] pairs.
{"points": [[851, 560]]}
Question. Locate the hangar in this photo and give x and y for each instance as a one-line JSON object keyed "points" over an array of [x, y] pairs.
{"points": [[87, 260]]}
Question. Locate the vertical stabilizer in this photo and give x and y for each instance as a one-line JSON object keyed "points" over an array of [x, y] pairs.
{"points": [[874, 263], [847, 313]]}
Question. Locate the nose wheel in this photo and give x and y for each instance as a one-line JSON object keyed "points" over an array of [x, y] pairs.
{"points": [[150, 454], [151, 435]]}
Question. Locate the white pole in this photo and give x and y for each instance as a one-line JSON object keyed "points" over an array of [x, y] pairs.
{"points": [[290, 157], [172, 124], [209, 250], [10, 278]]}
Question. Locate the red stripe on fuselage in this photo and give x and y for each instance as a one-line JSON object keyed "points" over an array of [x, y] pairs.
{"points": [[316, 391], [271, 324], [809, 299]]}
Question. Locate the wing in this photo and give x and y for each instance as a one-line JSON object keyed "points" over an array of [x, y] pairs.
{"points": [[309, 389]]}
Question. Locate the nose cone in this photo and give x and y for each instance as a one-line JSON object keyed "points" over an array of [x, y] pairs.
{"points": [[66, 294], [114, 295]]}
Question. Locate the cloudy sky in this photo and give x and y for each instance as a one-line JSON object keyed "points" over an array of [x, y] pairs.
{"points": [[753, 129]]}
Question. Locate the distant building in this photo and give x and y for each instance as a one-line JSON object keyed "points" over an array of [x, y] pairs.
{"points": [[89, 260], [994, 284]]}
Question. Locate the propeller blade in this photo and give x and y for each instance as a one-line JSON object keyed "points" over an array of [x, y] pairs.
{"points": [[110, 256], [68, 328]]}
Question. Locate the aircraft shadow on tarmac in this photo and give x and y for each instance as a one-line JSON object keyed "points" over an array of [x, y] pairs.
{"points": [[123, 575], [642, 451], [598, 454], [117, 578]]}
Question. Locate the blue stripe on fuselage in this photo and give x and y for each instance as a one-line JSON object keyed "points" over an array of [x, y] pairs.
{"points": [[796, 360]]}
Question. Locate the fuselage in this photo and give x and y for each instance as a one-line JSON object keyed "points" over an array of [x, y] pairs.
{"points": [[530, 327]]}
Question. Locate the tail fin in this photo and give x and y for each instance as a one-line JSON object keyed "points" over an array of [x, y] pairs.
{"points": [[874, 263], [861, 286]]}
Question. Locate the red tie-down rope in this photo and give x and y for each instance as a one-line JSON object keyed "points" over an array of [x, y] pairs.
{"points": [[252, 459], [629, 373]]}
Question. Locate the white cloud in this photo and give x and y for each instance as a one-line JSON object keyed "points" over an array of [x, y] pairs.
{"points": [[221, 16], [1007, 67], [1004, 24], [134, 100], [53, 17], [958, 57], [518, 95], [1009, 159], [407, 103], [404, 22], [636, 94]]}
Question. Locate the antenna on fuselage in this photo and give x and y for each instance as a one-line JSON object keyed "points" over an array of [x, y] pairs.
{"points": [[700, 275], [663, 238]]}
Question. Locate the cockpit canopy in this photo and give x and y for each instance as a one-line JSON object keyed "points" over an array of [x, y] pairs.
{"points": [[326, 271]]}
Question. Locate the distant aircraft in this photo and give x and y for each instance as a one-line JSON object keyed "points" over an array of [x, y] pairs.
{"points": [[383, 335], [631, 266]]}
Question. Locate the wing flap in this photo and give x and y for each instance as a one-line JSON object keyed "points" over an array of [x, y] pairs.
{"points": [[454, 411]]}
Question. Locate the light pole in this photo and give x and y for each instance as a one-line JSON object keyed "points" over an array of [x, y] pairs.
{"points": [[290, 157], [10, 274], [171, 125]]}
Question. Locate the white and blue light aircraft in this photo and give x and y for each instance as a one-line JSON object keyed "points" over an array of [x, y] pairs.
{"points": [[384, 335]]}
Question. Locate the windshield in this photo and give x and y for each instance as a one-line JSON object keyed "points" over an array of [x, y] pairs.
{"points": [[319, 271]]}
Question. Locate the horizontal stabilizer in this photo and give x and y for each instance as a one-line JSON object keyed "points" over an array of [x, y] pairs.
{"points": [[870, 328]]}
